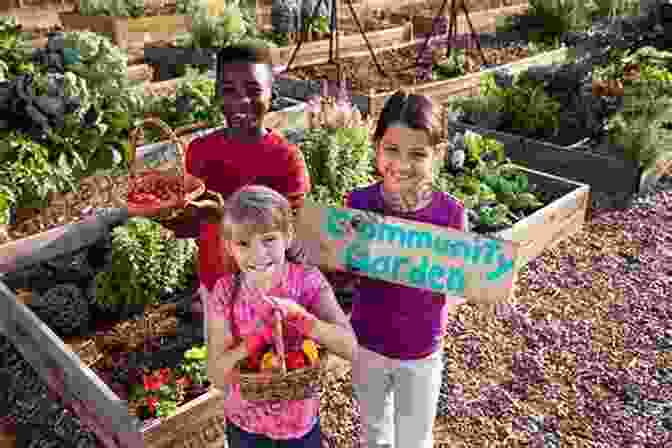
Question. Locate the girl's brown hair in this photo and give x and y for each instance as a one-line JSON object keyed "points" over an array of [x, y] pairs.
{"points": [[258, 210], [415, 111]]}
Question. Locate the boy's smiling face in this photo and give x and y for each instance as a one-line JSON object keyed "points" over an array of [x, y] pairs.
{"points": [[245, 91]]}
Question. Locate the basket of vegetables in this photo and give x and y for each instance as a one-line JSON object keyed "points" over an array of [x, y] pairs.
{"points": [[169, 187], [276, 374]]}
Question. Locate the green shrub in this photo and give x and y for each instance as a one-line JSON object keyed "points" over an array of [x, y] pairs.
{"points": [[145, 262], [338, 160]]}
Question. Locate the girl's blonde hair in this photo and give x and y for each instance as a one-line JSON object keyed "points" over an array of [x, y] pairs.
{"points": [[257, 210]]}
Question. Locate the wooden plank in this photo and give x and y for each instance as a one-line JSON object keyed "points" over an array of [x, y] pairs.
{"points": [[9, 252], [551, 224], [55, 363], [443, 91], [178, 23], [126, 30], [197, 423], [478, 268]]}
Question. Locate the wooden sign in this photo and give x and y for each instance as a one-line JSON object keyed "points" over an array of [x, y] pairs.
{"points": [[408, 253]]}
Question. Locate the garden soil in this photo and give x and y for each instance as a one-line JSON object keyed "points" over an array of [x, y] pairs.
{"points": [[399, 65]]}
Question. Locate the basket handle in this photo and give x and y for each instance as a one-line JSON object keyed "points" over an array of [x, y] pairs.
{"points": [[136, 133], [278, 340]]}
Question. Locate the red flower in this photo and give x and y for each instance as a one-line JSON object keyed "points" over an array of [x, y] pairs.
{"points": [[164, 374], [151, 382], [155, 380], [152, 403]]}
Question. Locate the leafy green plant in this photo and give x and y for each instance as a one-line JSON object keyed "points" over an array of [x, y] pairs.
{"points": [[113, 8], [613, 8], [29, 172], [203, 106], [317, 24], [145, 262], [278, 39], [15, 49], [496, 192], [452, 68], [7, 200], [339, 160], [558, 17], [100, 80], [209, 31], [639, 127], [189, 7], [526, 106], [194, 365]]}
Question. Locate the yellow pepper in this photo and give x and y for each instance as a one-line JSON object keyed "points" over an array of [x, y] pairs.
{"points": [[310, 349], [269, 361]]}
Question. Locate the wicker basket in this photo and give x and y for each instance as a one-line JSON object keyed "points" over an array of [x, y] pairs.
{"points": [[296, 384], [192, 187]]}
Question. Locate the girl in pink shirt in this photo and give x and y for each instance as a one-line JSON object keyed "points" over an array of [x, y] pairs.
{"points": [[257, 233]]}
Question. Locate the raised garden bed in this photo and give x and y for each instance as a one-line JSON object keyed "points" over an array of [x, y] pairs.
{"points": [[369, 89], [88, 377], [126, 31], [570, 131], [424, 16], [315, 52]]}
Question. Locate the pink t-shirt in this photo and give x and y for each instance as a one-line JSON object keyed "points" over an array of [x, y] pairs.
{"points": [[279, 419]]}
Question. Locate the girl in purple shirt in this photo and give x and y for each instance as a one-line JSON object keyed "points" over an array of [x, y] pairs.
{"points": [[397, 371]]}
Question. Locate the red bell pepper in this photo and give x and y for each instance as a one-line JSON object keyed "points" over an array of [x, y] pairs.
{"points": [[254, 362], [295, 360]]}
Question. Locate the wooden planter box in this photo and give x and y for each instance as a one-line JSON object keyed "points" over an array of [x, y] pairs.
{"points": [[439, 91], [613, 179], [483, 21], [548, 226], [127, 32], [198, 422], [310, 53]]}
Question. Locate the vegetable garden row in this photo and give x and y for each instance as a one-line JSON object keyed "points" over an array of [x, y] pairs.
{"points": [[546, 132]]}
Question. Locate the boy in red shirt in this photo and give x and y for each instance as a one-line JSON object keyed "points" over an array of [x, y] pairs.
{"points": [[245, 153]]}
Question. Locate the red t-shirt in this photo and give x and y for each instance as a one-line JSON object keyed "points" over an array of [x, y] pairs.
{"points": [[225, 165]]}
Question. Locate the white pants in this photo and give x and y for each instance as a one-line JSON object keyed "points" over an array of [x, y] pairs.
{"points": [[397, 399]]}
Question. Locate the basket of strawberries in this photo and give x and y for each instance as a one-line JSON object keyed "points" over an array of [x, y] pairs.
{"points": [[276, 374], [168, 188]]}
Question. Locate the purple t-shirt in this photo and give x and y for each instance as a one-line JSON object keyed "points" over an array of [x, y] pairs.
{"points": [[394, 320]]}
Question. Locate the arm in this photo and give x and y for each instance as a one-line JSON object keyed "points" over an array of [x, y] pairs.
{"points": [[223, 354], [295, 184], [223, 351], [331, 327]]}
